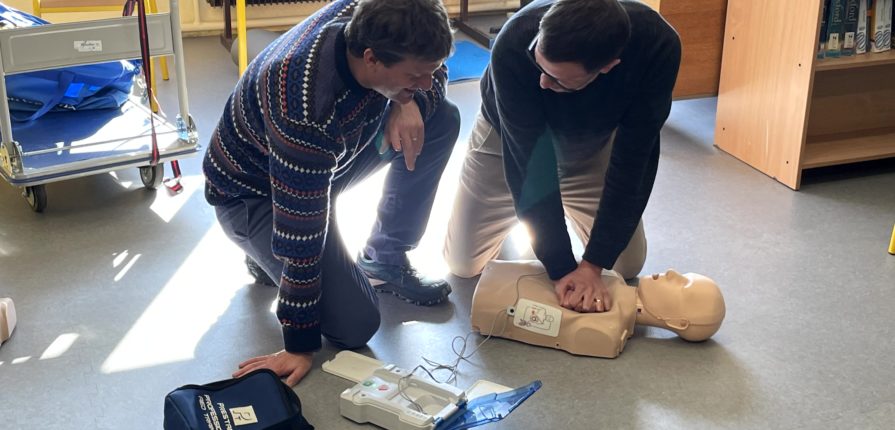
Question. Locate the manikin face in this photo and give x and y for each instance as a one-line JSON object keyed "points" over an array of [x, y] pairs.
{"points": [[401, 80], [564, 77], [690, 304]]}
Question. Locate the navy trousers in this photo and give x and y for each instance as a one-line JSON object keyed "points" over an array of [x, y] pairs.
{"points": [[349, 306]]}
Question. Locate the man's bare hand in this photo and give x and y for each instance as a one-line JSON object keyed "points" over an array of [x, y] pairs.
{"points": [[583, 290], [405, 132], [292, 366]]}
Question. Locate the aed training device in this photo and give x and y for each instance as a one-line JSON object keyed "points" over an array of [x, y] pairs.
{"points": [[378, 399], [395, 399]]}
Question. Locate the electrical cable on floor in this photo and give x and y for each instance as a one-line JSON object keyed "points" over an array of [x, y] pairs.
{"points": [[454, 367]]}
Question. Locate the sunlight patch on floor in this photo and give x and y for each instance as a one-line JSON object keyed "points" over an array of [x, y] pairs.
{"points": [[59, 346], [189, 304]]}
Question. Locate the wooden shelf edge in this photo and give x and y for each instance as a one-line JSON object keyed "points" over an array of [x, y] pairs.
{"points": [[861, 60], [823, 151]]}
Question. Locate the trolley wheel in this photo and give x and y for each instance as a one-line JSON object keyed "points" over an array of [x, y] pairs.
{"points": [[36, 197], [152, 176]]}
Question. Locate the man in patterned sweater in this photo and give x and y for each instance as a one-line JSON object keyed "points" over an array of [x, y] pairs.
{"points": [[356, 86]]}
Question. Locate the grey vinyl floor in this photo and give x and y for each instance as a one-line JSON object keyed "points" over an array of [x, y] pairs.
{"points": [[124, 294]]}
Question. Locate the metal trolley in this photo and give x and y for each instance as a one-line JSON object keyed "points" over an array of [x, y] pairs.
{"points": [[66, 145]]}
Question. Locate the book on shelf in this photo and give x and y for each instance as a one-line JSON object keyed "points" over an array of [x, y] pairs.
{"points": [[834, 28], [849, 28], [861, 33], [880, 29], [822, 40]]}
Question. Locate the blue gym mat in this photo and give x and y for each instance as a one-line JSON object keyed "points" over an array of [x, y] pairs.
{"points": [[468, 62]]}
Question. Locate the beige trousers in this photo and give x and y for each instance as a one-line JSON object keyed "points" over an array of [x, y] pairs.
{"points": [[483, 213]]}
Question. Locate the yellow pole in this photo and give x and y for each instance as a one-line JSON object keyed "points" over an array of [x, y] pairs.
{"points": [[892, 243], [152, 104], [153, 8], [241, 34]]}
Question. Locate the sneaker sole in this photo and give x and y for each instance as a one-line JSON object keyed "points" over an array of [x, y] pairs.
{"points": [[259, 276], [431, 302]]}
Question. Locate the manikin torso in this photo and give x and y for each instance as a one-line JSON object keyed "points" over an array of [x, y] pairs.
{"points": [[516, 300]]}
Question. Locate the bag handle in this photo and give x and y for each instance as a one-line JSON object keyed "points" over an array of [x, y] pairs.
{"points": [[65, 79], [147, 72], [85, 75], [173, 184]]}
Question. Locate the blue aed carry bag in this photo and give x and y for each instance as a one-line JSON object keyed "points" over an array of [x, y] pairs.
{"points": [[255, 401], [92, 86]]}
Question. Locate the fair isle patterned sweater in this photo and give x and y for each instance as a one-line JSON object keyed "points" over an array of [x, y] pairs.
{"points": [[297, 118]]}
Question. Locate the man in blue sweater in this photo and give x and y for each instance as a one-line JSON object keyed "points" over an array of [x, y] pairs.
{"points": [[572, 105], [356, 86]]}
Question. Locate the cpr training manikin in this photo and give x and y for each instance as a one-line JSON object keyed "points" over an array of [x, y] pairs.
{"points": [[7, 319], [516, 300]]}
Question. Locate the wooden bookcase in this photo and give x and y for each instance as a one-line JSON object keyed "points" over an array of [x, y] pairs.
{"points": [[781, 110], [700, 24]]}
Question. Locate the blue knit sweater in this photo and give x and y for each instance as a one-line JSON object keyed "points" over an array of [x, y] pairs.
{"points": [[295, 119]]}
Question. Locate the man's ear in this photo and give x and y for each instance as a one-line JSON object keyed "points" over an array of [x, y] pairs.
{"points": [[370, 59], [609, 66]]}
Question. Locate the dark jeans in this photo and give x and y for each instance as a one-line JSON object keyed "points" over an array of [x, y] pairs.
{"points": [[349, 308]]}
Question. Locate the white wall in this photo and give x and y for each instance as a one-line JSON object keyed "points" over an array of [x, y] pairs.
{"points": [[199, 16]]}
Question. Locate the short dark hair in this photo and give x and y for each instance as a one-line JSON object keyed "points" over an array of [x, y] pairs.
{"points": [[399, 29], [589, 32]]}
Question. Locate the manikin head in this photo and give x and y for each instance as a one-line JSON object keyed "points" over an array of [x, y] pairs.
{"points": [[691, 305], [577, 41], [396, 45]]}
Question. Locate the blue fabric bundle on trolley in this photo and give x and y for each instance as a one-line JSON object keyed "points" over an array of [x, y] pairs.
{"points": [[86, 87]]}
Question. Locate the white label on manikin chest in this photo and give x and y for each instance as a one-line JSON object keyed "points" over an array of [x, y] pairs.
{"points": [[537, 318]]}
